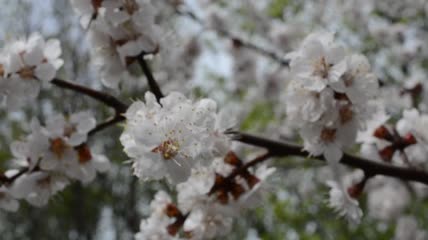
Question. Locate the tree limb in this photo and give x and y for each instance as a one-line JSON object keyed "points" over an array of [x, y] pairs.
{"points": [[370, 167], [105, 98]]}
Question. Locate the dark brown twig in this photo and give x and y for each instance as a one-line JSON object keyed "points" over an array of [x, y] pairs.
{"points": [[116, 119], [153, 85], [370, 167], [105, 98]]}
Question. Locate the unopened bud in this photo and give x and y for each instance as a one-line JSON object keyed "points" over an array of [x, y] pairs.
{"points": [[383, 133], [355, 191], [409, 139], [387, 153]]}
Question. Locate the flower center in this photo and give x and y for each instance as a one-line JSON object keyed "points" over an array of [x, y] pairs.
{"points": [[69, 129], [27, 72], [321, 68], [58, 147], [168, 149], [346, 114], [328, 135]]}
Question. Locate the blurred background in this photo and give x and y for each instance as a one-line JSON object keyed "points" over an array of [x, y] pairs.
{"points": [[201, 62]]}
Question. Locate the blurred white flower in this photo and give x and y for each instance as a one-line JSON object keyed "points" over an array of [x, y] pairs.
{"points": [[344, 204], [23, 65]]}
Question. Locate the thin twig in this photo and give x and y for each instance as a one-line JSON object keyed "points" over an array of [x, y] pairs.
{"points": [[153, 85], [105, 98], [106, 124]]}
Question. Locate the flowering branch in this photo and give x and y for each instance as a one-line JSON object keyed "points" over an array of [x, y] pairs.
{"points": [[105, 98], [371, 168]]}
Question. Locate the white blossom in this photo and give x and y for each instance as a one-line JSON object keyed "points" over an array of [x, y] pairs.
{"points": [[119, 31], [343, 204], [38, 187], [387, 201], [407, 228], [60, 147], [155, 227], [170, 138], [24, 64], [7, 201], [318, 62]]}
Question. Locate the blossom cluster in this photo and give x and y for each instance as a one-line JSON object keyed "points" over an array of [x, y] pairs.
{"points": [[24, 65], [328, 97], [50, 158], [120, 32], [184, 142], [207, 202]]}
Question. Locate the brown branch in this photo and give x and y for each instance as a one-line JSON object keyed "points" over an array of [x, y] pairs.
{"points": [[105, 98], [153, 85], [370, 167], [241, 42], [106, 124]]}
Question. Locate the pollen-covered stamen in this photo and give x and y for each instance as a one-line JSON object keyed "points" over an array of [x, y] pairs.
{"points": [[168, 149], [69, 129], [27, 72], [328, 135], [58, 147], [84, 154], [346, 114], [321, 68]]}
